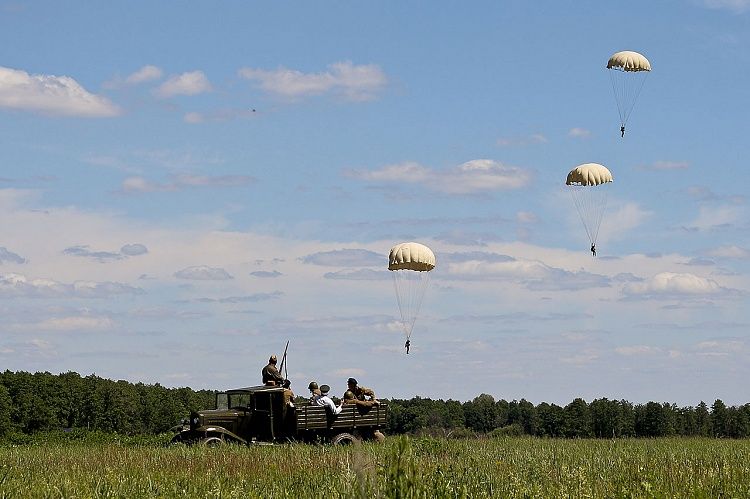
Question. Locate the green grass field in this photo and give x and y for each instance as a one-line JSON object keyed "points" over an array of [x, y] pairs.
{"points": [[506, 467]]}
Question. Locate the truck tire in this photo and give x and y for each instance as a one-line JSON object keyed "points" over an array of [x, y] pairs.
{"points": [[345, 439], [177, 440]]}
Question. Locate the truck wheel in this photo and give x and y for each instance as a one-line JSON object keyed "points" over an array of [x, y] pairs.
{"points": [[212, 442], [345, 439], [177, 440]]}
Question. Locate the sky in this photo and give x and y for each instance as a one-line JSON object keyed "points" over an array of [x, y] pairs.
{"points": [[186, 187]]}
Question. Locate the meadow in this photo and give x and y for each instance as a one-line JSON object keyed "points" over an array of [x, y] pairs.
{"points": [[402, 467]]}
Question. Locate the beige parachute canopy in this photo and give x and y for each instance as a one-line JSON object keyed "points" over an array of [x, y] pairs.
{"points": [[589, 174], [627, 60], [411, 256]]}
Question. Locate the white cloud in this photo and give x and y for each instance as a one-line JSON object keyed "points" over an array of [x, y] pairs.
{"points": [[637, 350], [532, 274], [619, 219], [715, 217], [138, 184], [731, 251], [671, 284], [349, 372], [190, 83], [134, 249], [580, 358], [736, 6], [72, 323], [106, 256], [100, 256], [579, 133], [526, 217], [479, 175], [345, 258], [146, 73], [52, 95], [358, 275], [534, 138], [17, 285], [243, 299], [353, 82], [203, 273], [265, 274]]}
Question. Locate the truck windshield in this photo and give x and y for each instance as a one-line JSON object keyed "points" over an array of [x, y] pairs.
{"points": [[222, 401], [239, 400]]}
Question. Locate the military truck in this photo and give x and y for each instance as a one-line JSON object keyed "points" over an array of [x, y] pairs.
{"points": [[260, 414]]}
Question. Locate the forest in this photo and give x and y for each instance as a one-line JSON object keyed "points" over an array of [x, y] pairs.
{"points": [[37, 402]]}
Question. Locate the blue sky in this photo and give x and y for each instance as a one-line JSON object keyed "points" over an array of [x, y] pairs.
{"points": [[183, 189]]}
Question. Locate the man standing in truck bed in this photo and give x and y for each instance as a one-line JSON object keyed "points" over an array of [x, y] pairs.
{"points": [[271, 375], [360, 392]]}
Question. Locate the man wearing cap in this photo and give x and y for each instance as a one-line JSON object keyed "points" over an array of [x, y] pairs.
{"points": [[271, 375], [360, 392], [314, 391], [325, 401]]}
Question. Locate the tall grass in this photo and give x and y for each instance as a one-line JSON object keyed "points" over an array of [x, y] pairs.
{"points": [[400, 468]]}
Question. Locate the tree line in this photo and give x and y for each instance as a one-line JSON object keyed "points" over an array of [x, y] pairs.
{"points": [[601, 418], [42, 402]]}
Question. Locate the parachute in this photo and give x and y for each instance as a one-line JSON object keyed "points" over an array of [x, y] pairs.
{"points": [[627, 72], [588, 186], [411, 264]]}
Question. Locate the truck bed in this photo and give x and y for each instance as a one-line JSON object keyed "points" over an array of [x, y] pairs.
{"points": [[315, 417]]}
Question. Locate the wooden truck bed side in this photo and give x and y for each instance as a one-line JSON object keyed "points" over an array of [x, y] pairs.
{"points": [[310, 417]]}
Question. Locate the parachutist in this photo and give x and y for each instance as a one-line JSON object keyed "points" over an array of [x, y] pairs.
{"points": [[593, 249], [622, 131], [407, 345]]}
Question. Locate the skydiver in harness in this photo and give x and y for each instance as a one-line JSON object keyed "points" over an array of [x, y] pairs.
{"points": [[593, 249], [622, 131], [407, 345]]}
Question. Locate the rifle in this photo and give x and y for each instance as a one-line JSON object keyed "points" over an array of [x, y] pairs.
{"points": [[283, 359]]}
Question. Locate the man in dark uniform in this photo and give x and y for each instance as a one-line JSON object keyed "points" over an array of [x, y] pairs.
{"points": [[271, 375], [360, 392]]}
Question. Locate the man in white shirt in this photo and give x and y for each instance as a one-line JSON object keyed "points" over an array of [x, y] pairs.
{"points": [[325, 401]]}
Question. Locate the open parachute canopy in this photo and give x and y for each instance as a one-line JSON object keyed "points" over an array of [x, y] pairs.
{"points": [[411, 264], [589, 174], [411, 256], [587, 184], [627, 72], [627, 60]]}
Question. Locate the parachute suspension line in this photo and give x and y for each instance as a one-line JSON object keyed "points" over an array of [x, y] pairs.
{"points": [[599, 213], [410, 289], [612, 79], [626, 91], [578, 199], [591, 202]]}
